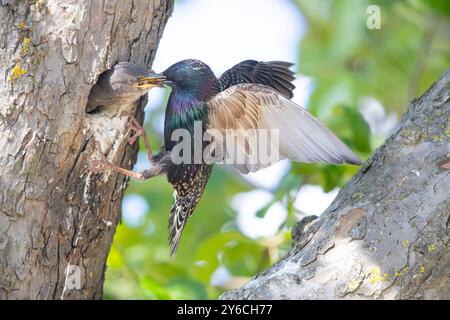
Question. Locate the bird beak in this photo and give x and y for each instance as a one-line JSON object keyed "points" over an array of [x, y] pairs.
{"points": [[150, 81]]}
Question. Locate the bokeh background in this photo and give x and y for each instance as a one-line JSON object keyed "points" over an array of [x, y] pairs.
{"points": [[356, 80]]}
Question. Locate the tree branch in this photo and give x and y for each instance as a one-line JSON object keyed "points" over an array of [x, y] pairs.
{"points": [[386, 235]]}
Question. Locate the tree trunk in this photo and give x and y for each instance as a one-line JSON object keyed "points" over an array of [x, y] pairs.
{"points": [[386, 235], [57, 219]]}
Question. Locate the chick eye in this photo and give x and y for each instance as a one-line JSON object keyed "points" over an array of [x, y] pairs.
{"points": [[132, 80]]}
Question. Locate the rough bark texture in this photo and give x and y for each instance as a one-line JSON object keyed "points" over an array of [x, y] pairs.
{"points": [[386, 235], [56, 218]]}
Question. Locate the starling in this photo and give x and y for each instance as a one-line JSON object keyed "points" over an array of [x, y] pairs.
{"points": [[250, 95], [123, 83]]}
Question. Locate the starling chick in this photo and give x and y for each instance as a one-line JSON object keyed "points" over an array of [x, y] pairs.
{"points": [[125, 82]]}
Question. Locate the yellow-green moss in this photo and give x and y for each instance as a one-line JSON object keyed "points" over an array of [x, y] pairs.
{"points": [[16, 72], [375, 276], [402, 272], [357, 195], [431, 248], [406, 243], [447, 131], [25, 45]]}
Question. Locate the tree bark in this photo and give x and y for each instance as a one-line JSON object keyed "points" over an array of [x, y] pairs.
{"points": [[57, 219], [386, 235]]}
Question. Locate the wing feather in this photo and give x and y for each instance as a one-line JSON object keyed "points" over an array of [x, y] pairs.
{"points": [[251, 107], [274, 74]]}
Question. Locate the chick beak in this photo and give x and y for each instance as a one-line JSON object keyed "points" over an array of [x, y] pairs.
{"points": [[150, 81]]}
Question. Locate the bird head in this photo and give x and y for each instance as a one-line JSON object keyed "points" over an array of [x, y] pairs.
{"points": [[124, 81], [132, 79], [192, 76]]}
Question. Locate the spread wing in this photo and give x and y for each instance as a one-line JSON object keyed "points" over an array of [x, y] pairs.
{"points": [[288, 129], [274, 74]]}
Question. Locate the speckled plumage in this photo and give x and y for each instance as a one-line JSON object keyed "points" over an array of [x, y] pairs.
{"points": [[188, 180], [193, 84]]}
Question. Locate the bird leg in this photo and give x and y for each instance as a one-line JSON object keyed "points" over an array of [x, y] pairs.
{"points": [[134, 125], [160, 165], [103, 165]]}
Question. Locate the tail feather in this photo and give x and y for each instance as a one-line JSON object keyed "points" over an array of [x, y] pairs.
{"points": [[182, 209], [188, 192]]}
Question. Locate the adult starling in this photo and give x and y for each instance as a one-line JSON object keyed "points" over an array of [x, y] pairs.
{"points": [[251, 95]]}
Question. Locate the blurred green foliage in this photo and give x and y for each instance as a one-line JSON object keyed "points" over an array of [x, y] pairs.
{"points": [[347, 62], [394, 63]]}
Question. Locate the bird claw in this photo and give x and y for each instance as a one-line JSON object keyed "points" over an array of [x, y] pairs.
{"points": [[133, 125], [98, 166], [102, 165]]}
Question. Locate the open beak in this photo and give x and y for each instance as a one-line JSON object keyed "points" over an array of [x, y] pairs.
{"points": [[150, 81]]}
